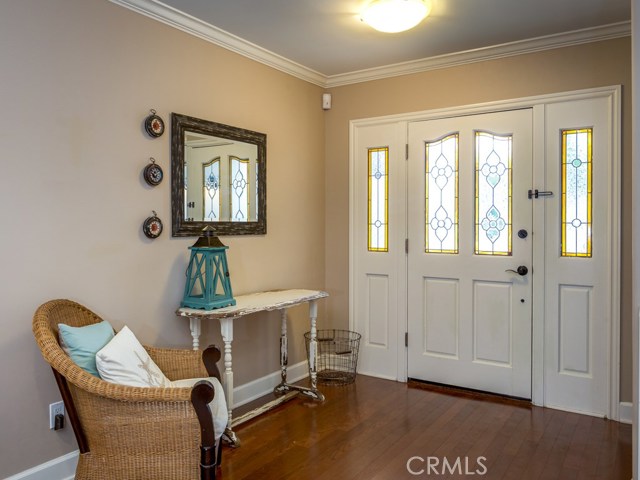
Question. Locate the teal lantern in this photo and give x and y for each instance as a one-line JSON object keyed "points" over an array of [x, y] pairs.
{"points": [[208, 286]]}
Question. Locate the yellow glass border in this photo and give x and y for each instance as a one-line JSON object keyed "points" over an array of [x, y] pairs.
{"points": [[442, 139], [564, 133], [477, 251], [370, 152]]}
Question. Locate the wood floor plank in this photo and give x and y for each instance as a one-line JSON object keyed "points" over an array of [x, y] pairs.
{"points": [[576, 453], [415, 435], [356, 452], [372, 430]]}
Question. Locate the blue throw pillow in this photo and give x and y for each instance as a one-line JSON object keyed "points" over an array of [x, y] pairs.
{"points": [[82, 343]]}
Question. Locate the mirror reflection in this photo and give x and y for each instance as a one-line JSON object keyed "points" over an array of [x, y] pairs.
{"points": [[221, 179], [218, 178]]}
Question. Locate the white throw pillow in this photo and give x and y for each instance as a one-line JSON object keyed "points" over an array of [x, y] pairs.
{"points": [[125, 361], [218, 405]]}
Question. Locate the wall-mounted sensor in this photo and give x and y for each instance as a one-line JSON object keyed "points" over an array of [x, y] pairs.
{"points": [[326, 101]]}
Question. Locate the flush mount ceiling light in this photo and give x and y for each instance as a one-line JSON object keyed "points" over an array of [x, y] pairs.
{"points": [[392, 16]]}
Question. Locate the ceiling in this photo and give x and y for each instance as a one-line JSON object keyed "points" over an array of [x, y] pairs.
{"points": [[325, 42]]}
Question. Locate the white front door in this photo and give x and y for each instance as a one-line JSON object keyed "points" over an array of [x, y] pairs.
{"points": [[470, 255], [550, 334]]}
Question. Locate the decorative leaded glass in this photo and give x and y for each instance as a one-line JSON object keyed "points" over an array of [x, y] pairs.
{"points": [[239, 189], [211, 180], [441, 195], [493, 194], [378, 199], [576, 192]]}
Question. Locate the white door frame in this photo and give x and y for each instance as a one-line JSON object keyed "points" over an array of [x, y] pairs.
{"points": [[538, 104]]}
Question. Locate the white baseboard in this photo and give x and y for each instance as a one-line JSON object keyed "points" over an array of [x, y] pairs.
{"points": [[625, 413], [263, 386], [63, 468]]}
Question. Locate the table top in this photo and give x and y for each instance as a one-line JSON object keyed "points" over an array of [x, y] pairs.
{"points": [[256, 302]]}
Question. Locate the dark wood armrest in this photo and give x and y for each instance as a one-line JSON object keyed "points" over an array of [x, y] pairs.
{"points": [[210, 357], [201, 394]]}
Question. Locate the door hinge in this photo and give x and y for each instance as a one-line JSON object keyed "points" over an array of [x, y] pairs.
{"points": [[406, 151], [406, 245], [536, 194], [406, 339]]}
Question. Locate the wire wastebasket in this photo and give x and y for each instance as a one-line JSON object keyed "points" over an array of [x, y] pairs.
{"points": [[337, 355]]}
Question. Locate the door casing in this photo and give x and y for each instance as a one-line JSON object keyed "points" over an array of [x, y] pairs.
{"points": [[538, 104]]}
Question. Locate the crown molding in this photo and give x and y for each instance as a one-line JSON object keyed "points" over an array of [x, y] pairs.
{"points": [[566, 39], [175, 18], [194, 26]]}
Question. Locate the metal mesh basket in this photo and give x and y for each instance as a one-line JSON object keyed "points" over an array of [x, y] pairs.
{"points": [[337, 355]]}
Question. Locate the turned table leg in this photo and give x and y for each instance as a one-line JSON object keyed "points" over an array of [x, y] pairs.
{"points": [[195, 327], [313, 346], [226, 329], [285, 387]]}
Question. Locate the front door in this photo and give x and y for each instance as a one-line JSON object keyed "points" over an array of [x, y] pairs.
{"points": [[460, 277], [469, 282]]}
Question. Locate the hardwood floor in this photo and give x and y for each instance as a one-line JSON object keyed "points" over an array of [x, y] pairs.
{"points": [[377, 429]]}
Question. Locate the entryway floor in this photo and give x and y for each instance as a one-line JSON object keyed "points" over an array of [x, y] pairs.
{"points": [[380, 429]]}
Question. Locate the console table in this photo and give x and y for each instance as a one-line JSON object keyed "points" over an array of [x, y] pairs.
{"points": [[246, 305]]}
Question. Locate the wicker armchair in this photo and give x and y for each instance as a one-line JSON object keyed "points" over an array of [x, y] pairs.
{"points": [[132, 432]]}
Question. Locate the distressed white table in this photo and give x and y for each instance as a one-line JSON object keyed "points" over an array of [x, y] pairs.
{"points": [[246, 305]]}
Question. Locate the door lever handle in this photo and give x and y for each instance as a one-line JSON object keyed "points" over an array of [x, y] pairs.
{"points": [[521, 270], [537, 193]]}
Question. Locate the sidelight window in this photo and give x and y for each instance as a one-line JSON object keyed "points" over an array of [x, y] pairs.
{"points": [[576, 192], [378, 199]]}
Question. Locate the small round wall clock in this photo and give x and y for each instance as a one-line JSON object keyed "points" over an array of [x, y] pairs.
{"points": [[153, 124], [152, 226], [152, 173]]}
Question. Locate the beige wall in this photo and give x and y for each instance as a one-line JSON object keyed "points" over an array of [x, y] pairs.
{"points": [[78, 79], [592, 65]]}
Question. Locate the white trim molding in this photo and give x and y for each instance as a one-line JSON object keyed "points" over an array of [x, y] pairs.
{"points": [[626, 412], [264, 385], [61, 468], [567, 39], [205, 31], [175, 18]]}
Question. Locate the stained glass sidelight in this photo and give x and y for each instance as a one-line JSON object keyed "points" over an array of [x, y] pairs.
{"points": [[441, 195], [378, 199], [576, 192], [211, 181], [493, 194], [239, 189]]}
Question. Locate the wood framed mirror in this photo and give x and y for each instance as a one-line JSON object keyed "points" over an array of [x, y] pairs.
{"points": [[218, 178]]}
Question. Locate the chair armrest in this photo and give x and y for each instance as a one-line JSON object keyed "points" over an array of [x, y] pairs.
{"points": [[211, 356], [203, 393]]}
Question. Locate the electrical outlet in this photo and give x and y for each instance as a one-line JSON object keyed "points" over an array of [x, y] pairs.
{"points": [[55, 409]]}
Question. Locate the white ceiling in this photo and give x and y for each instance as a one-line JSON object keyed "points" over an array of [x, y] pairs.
{"points": [[324, 40]]}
